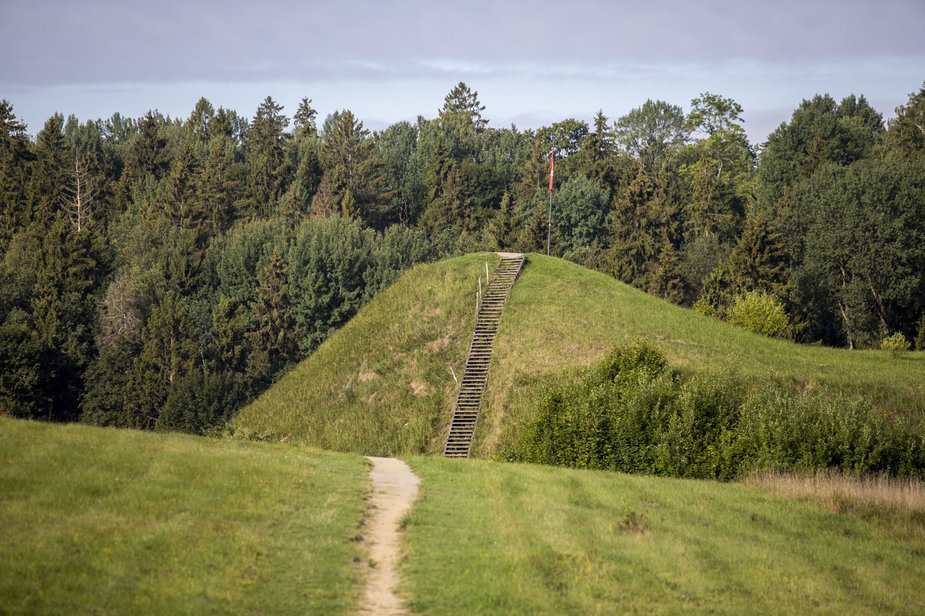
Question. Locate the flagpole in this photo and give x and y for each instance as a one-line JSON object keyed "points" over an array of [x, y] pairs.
{"points": [[552, 155]]}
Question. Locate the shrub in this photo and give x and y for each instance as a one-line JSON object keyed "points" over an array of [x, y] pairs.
{"points": [[202, 402], [702, 306], [920, 336], [895, 344], [632, 413], [761, 313]]}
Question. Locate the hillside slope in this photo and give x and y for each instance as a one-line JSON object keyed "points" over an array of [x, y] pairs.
{"points": [[383, 384]]}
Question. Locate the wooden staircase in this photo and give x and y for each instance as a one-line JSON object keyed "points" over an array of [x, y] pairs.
{"points": [[469, 397]]}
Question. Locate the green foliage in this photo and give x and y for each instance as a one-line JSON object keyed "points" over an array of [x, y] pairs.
{"points": [[652, 133], [632, 413], [761, 313], [895, 344], [920, 336], [504, 228], [759, 261], [855, 232], [202, 402], [644, 234], [580, 209], [461, 122], [820, 131], [28, 378], [907, 130]]}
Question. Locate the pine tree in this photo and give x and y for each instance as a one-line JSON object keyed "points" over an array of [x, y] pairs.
{"points": [[147, 153], [505, 228], [268, 167], [14, 159], [349, 162], [597, 156], [168, 352], [273, 341], [447, 206], [534, 236], [304, 120], [461, 122], [199, 120], [214, 189], [759, 261], [644, 224], [534, 176], [50, 172]]}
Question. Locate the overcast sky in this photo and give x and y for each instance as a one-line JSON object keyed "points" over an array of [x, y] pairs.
{"points": [[532, 63]]}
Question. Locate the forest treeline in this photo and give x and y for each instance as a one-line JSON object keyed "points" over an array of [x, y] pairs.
{"points": [[159, 272]]}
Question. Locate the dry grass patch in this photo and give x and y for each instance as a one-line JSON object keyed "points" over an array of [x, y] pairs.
{"points": [[896, 505]]}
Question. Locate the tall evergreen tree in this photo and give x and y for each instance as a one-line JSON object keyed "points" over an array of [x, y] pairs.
{"points": [[644, 225], [198, 122], [447, 205], [273, 339], [350, 165], [505, 228], [14, 162], [461, 122], [147, 154], [49, 175], [268, 167], [759, 261]]}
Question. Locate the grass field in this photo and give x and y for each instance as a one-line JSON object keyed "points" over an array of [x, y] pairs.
{"points": [[103, 521], [492, 538], [383, 384]]}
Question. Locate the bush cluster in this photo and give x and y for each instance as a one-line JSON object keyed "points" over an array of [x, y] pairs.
{"points": [[633, 413], [761, 313]]}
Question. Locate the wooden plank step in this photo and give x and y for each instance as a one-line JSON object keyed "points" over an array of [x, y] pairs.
{"points": [[478, 361]]}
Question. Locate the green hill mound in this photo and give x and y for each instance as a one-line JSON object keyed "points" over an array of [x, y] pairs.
{"points": [[384, 383]]}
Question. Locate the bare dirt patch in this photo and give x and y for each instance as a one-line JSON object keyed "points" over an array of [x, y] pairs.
{"points": [[395, 488]]}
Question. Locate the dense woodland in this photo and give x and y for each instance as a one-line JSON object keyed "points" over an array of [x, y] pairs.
{"points": [[159, 272]]}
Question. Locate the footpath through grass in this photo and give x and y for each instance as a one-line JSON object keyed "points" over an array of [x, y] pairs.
{"points": [[492, 538], [103, 521]]}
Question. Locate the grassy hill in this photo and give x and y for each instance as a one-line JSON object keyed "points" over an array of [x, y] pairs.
{"points": [[384, 384]]}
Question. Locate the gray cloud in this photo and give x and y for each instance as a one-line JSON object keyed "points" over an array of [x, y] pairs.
{"points": [[60, 42]]}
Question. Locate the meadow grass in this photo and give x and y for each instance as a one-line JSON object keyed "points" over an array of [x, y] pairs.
{"points": [[493, 538], [383, 384], [105, 521]]}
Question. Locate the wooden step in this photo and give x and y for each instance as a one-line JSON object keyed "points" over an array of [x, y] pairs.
{"points": [[478, 361]]}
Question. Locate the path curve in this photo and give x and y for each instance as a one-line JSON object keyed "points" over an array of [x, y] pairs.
{"points": [[395, 487]]}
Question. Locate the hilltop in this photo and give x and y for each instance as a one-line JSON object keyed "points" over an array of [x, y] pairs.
{"points": [[384, 383]]}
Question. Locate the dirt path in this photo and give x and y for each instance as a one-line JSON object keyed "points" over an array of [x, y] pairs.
{"points": [[394, 489]]}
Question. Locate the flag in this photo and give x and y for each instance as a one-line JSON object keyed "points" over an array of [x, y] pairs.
{"points": [[552, 157]]}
